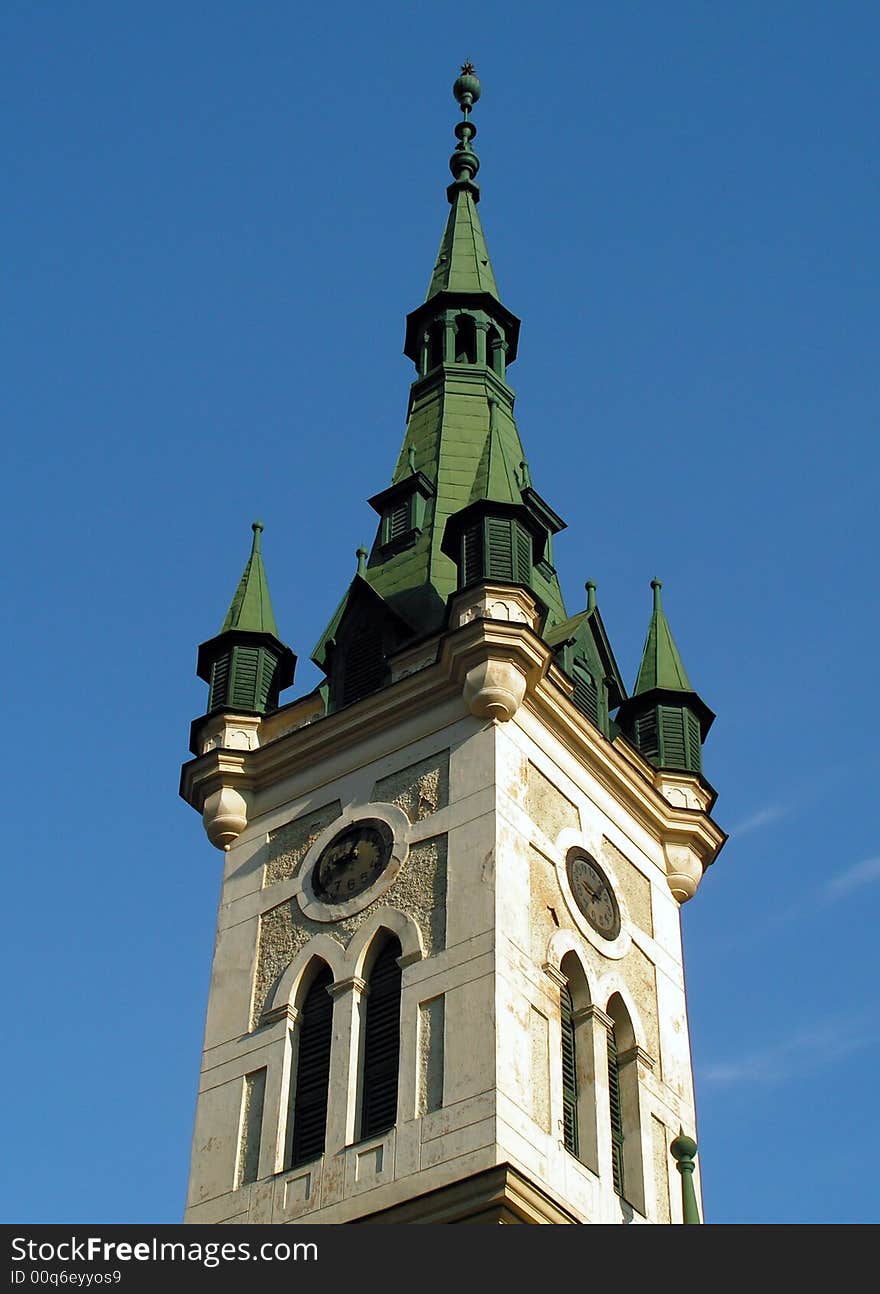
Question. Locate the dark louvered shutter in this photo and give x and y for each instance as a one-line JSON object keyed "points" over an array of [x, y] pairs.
{"points": [[569, 1073], [616, 1114], [219, 681], [646, 735], [313, 1072], [586, 695], [672, 733], [695, 753], [364, 663], [244, 678], [523, 544], [499, 555], [472, 545], [268, 683], [381, 1044]]}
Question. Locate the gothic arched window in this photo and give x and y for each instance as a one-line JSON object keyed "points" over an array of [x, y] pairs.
{"points": [[577, 1064], [308, 1107], [381, 1043], [624, 1101]]}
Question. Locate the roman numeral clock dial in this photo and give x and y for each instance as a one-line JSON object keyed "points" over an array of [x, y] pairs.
{"points": [[593, 894]]}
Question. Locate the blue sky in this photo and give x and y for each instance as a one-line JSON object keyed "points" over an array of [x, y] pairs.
{"points": [[217, 217]]}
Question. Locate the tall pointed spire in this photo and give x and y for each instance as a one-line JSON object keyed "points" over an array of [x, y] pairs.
{"points": [[247, 664], [251, 607], [665, 718], [661, 663], [463, 263]]}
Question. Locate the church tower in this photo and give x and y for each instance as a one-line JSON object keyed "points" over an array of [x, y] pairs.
{"points": [[447, 980]]}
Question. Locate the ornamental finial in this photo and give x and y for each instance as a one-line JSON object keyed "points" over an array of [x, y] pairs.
{"points": [[464, 162]]}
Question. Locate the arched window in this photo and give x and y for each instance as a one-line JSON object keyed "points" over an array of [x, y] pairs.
{"points": [[434, 346], [465, 340], [623, 1103], [381, 1043], [495, 351], [577, 1064], [308, 1107]]}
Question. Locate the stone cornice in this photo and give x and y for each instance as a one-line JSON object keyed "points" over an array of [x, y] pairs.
{"points": [[498, 666]]}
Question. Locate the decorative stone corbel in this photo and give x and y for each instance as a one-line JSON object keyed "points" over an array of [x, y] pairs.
{"points": [[494, 689], [684, 871], [225, 815]]}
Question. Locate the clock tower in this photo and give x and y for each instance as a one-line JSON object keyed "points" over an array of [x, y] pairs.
{"points": [[447, 980]]}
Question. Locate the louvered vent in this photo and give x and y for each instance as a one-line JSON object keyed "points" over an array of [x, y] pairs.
{"points": [[569, 1073], [244, 678], [586, 694], [381, 1044], [364, 664], [219, 681], [472, 553], [616, 1114], [695, 750], [646, 735], [397, 521], [523, 544], [499, 553], [672, 735], [268, 682], [309, 1109]]}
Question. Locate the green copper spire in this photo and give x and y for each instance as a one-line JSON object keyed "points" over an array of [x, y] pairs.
{"points": [[247, 664], [463, 263], [460, 506], [664, 717], [661, 664], [251, 608]]}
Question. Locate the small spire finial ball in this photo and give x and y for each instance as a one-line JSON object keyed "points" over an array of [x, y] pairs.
{"points": [[683, 1147], [257, 526], [467, 87]]}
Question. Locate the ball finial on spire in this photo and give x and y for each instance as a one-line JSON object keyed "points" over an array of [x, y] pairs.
{"points": [[467, 87]]}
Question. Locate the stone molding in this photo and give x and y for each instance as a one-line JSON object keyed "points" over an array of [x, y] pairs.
{"points": [[496, 668], [354, 984], [283, 1012], [500, 1194], [638, 1054]]}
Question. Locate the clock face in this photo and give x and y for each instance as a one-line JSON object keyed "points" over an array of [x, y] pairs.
{"points": [[593, 893], [352, 861]]}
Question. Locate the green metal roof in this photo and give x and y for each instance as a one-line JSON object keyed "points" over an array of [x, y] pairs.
{"points": [[463, 263], [251, 608], [661, 665]]}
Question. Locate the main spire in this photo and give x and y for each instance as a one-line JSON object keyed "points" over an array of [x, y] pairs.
{"points": [[463, 263], [460, 507]]}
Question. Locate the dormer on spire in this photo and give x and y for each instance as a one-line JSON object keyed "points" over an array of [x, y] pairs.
{"points": [[247, 665], [665, 718]]}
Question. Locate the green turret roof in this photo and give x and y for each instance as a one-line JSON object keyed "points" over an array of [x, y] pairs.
{"points": [[251, 608], [661, 665], [463, 263]]}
